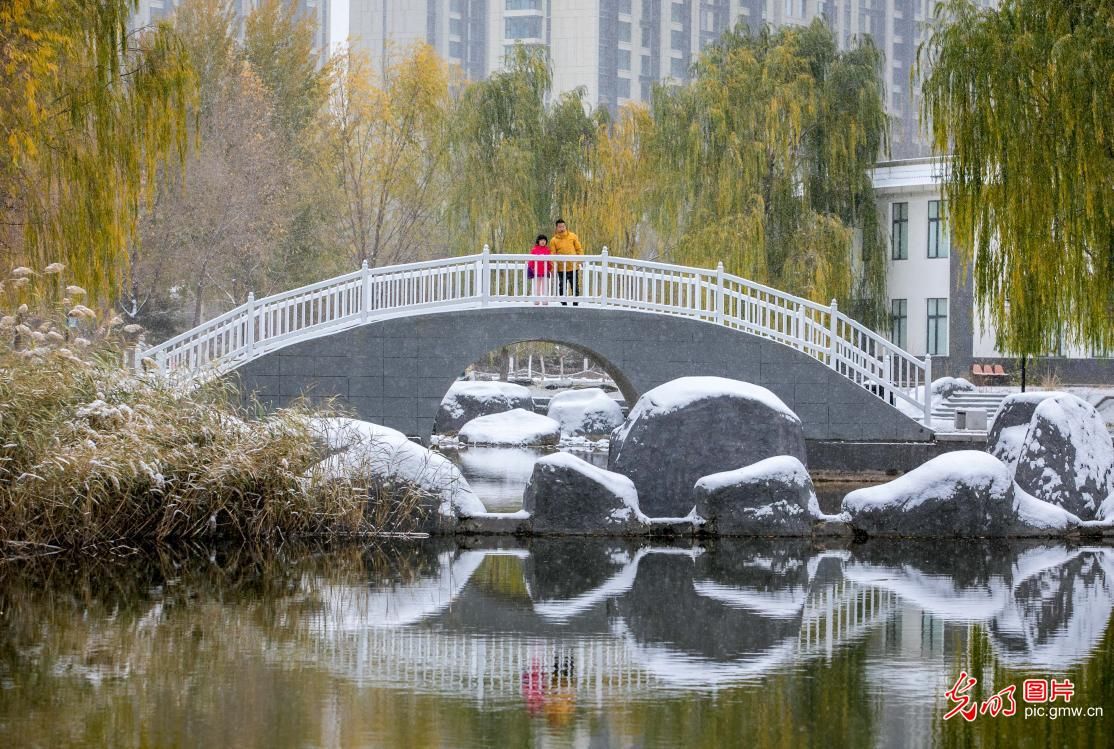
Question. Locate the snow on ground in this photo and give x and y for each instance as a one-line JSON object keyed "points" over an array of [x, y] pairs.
{"points": [[935, 479], [515, 427], [616, 483], [585, 411], [506, 393], [363, 446]]}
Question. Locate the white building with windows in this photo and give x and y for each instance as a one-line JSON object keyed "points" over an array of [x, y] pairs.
{"points": [[929, 292], [617, 50]]}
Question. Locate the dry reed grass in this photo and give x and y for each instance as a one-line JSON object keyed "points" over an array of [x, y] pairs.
{"points": [[92, 455]]}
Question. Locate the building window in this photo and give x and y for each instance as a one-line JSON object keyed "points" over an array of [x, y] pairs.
{"points": [[456, 50], [899, 322], [677, 68], [524, 4], [624, 59], [524, 27], [624, 31], [679, 40], [939, 241], [624, 6], [899, 230], [647, 66], [677, 13], [622, 88], [937, 327]]}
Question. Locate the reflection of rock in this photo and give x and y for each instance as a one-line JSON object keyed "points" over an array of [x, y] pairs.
{"points": [[695, 426], [566, 568], [773, 497], [1067, 458], [468, 400], [569, 495], [1059, 610], [1047, 605], [663, 607], [514, 427], [1007, 433], [768, 578], [585, 412]]}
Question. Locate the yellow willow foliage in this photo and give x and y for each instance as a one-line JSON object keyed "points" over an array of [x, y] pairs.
{"points": [[609, 204], [388, 141], [1023, 98], [764, 162], [88, 113]]}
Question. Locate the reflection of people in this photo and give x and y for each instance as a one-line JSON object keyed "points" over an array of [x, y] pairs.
{"points": [[539, 269], [533, 691], [564, 242], [561, 700]]}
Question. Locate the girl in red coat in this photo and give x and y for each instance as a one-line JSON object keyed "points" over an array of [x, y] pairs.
{"points": [[539, 270]]}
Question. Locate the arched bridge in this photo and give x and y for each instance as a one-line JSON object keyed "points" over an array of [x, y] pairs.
{"points": [[390, 341]]}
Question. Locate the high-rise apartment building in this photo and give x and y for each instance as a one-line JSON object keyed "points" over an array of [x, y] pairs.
{"points": [[618, 49], [152, 11]]}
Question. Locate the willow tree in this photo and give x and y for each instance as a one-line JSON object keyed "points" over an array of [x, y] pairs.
{"points": [[88, 112], [609, 204], [386, 149], [517, 159], [1022, 97], [764, 162]]}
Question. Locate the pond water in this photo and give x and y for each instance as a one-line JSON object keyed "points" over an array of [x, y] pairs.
{"points": [[499, 475], [555, 642]]}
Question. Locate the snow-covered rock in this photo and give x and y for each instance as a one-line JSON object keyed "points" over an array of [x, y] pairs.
{"points": [[946, 387], [772, 497], [1067, 457], [514, 427], [695, 426], [1011, 422], [589, 411], [1037, 518], [963, 493], [468, 400], [359, 448], [567, 495]]}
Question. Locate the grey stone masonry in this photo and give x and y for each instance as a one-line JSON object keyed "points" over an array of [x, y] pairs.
{"points": [[395, 372]]}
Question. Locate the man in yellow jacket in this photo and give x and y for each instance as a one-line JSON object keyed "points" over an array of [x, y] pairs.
{"points": [[564, 242]]}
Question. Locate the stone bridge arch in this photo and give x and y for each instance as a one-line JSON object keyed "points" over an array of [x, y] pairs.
{"points": [[395, 372]]}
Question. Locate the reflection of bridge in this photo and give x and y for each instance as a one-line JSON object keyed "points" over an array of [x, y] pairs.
{"points": [[381, 339], [448, 637]]}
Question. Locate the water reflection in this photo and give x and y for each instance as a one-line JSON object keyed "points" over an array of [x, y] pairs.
{"points": [[576, 634], [498, 475]]}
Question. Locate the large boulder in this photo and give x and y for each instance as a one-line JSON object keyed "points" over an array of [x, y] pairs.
{"points": [[468, 400], [1067, 457], [1011, 422], [587, 412], [567, 495], [695, 426], [514, 427], [365, 451], [964, 493], [773, 497]]}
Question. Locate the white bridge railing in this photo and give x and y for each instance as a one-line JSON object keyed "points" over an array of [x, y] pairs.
{"points": [[260, 326]]}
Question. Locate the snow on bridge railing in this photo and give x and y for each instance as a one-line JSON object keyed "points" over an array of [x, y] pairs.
{"points": [[260, 326]]}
